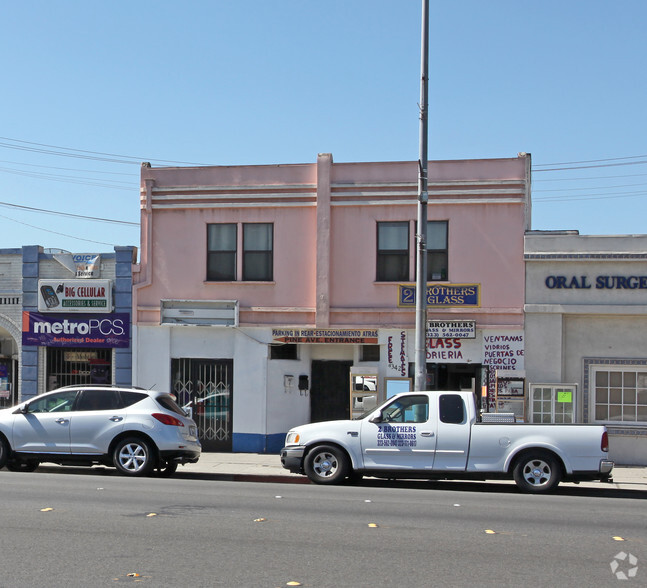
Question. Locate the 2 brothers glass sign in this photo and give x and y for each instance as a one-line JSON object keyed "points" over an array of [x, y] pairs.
{"points": [[442, 295]]}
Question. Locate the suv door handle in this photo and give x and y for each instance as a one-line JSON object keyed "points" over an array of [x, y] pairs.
{"points": [[427, 434], [61, 421], [116, 419]]}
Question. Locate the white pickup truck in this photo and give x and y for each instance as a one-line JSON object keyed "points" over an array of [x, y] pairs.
{"points": [[435, 435]]}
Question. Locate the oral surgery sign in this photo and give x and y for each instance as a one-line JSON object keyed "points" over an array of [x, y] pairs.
{"points": [[599, 282]]}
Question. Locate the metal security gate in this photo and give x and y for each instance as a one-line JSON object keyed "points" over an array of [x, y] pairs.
{"points": [[78, 366], [206, 385]]}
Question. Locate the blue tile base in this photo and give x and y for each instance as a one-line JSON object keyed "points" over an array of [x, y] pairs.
{"points": [[256, 443]]}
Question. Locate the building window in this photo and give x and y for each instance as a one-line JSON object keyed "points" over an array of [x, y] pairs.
{"points": [[221, 252], [392, 251], [620, 394], [68, 366], [369, 353], [283, 351], [436, 251], [552, 403], [258, 252]]}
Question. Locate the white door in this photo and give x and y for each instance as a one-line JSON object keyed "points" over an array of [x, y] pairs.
{"points": [[453, 433], [403, 438], [98, 419], [45, 426]]}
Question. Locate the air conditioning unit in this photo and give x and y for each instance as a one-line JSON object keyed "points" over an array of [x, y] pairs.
{"points": [[218, 313]]}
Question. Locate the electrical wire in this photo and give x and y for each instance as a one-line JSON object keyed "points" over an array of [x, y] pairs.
{"points": [[56, 232], [82, 153], [68, 214]]}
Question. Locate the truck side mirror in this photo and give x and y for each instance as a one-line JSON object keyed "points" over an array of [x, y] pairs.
{"points": [[376, 417]]}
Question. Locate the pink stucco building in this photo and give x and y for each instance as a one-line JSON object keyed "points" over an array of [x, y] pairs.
{"points": [[279, 294]]}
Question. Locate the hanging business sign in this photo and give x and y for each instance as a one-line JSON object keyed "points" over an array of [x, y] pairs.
{"points": [[442, 295], [75, 295], [451, 329], [82, 265], [361, 336], [76, 330]]}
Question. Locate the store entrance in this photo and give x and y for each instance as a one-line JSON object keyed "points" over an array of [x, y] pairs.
{"points": [[206, 385], [463, 377], [329, 390], [453, 376]]}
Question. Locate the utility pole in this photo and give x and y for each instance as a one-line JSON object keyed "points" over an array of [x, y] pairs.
{"points": [[423, 197]]}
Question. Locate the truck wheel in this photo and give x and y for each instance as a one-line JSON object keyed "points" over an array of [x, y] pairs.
{"points": [[537, 472], [326, 464]]}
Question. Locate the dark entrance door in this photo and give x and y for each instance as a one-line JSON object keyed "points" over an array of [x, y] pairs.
{"points": [[330, 390], [208, 385]]}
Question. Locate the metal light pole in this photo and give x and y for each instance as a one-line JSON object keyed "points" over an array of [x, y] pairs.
{"points": [[423, 197]]}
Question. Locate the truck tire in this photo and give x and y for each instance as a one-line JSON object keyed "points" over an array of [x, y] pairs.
{"points": [[537, 472], [326, 464]]}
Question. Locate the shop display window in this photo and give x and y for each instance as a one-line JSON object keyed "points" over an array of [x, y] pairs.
{"points": [[72, 366]]}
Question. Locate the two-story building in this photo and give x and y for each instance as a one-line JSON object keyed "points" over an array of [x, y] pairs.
{"points": [[269, 296]]}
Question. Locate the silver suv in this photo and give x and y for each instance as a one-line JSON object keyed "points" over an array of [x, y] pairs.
{"points": [[135, 430]]}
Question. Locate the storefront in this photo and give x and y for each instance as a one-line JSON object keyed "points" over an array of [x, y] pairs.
{"points": [[74, 319], [586, 335]]}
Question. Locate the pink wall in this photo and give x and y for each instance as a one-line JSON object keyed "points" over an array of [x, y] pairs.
{"points": [[485, 202]]}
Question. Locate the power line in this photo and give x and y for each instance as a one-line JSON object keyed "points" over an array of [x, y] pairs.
{"points": [[608, 196], [113, 184], [589, 166], [82, 153], [589, 178], [67, 214], [56, 232], [585, 161], [93, 171], [591, 188]]}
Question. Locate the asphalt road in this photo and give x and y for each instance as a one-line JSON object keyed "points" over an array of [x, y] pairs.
{"points": [[105, 530]]}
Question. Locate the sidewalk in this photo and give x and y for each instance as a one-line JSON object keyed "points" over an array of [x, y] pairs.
{"points": [[267, 468]]}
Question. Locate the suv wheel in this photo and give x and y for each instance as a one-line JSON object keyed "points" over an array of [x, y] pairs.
{"points": [[165, 469], [23, 466], [134, 456], [4, 452]]}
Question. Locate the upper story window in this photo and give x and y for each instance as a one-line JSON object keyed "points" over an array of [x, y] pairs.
{"points": [[257, 247], [392, 251], [221, 252], [436, 251], [258, 252]]}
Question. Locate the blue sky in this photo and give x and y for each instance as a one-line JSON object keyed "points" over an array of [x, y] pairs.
{"points": [[93, 88]]}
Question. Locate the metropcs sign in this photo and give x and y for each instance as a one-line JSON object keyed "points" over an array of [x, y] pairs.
{"points": [[111, 330]]}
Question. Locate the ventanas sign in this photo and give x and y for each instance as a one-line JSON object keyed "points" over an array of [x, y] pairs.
{"points": [[111, 330]]}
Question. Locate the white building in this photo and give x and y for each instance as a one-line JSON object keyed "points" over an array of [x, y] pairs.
{"points": [[586, 335]]}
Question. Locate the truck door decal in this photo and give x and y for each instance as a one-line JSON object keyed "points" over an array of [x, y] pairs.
{"points": [[396, 436]]}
